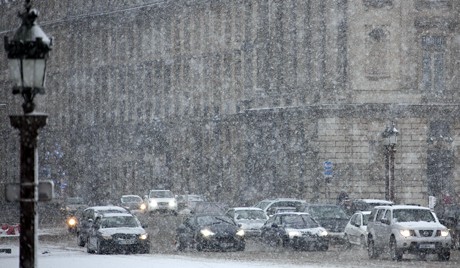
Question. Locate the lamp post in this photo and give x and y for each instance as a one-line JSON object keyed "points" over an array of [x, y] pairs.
{"points": [[390, 138], [27, 53]]}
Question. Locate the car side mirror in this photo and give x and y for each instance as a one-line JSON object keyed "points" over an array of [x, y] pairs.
{"points": [[274, 225], [385, 221]]}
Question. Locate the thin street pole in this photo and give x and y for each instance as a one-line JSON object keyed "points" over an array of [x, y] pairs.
{"points": [[392, 172], [387, 173]]}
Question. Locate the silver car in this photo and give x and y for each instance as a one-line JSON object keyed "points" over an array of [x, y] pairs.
{"points": [[250, 219]]}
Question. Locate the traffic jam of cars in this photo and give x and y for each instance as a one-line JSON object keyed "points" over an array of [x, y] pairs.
{"points": [[372, 224]]}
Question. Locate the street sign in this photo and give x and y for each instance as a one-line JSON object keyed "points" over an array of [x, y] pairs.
{"points": [[45, 191], [328, 169]]}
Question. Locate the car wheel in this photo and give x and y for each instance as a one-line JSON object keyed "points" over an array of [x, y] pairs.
{"points": [[362, 241], [324, 247], [371, 250], [280, 242], [395, 253], [198, 246], [144, 250], [99, 249], [179, 245], [88, 249], [347, 242], [444, 255], [80, 241]]}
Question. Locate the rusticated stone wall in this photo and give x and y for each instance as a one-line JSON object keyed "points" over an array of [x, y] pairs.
{"points": [[244, 100]]}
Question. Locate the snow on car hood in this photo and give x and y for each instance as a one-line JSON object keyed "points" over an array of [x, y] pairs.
{"points": [[251, 224], [418, 225], [123, 230], [313, 231]]}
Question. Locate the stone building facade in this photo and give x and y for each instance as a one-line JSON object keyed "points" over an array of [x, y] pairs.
{"points": [[245, 99]]}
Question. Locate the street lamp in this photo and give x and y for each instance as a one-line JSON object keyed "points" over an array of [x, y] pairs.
{"points": [[27, 53], [390, 139]]}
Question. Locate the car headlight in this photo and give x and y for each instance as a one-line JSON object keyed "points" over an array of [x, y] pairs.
{"points": [[72, 222], [293, 234], [407, 233], [206, 233], [240, 232], [444, 233], [142, 206], [143, 236], [153, 203], [323, 233], [172, 203]]}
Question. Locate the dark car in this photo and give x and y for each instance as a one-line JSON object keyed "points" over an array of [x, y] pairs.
{"points": [[295, 229], [211, 232], [449, 215], [133, 203], [332, 217], [117, 232], [88, 216]]}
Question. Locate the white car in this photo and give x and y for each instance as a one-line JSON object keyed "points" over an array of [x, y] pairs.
{"points": [[356, 229], [250, 219], [269, 206], [403, 229], [161, 201]]}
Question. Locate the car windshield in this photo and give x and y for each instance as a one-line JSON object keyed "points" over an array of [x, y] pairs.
{"points": [[298, 221], [413, 215], [210, 220], [161, 194], [250, 215], [327, 212], [131, 199], [121, 221], [365, 219]]}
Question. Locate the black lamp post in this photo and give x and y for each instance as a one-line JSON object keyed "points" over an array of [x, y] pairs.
{"points": [[390, 138], [27, 54]]}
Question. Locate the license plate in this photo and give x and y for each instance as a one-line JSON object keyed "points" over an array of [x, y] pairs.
{"points": [[127, 242], [227, 245], [430, 246]]}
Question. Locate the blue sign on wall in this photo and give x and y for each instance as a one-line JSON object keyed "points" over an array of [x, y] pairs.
{"points": [[328, 168]]}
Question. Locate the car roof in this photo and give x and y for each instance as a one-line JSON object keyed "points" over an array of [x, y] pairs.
{"points": [[130, 195], [105, 215], [404, 207], [365, 212], [321, 205], [283, 199], [102, 208], [292, 213], [371, 201], [246, 208]]}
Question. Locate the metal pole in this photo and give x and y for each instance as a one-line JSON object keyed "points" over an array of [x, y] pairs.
{"points": [[28, 126], [387, 173], [392, 172]]}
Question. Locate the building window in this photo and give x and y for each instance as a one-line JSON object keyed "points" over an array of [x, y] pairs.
{"points": [[377, 47], [433, 63]]}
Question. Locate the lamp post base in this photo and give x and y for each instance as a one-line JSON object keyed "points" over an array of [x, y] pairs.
{"points": [[28, 126]]}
